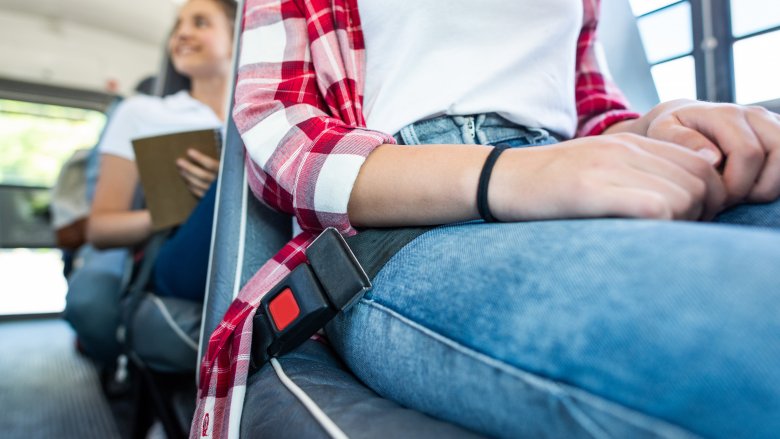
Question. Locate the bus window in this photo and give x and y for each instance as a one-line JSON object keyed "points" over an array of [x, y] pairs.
{"points": [[35, 140]]}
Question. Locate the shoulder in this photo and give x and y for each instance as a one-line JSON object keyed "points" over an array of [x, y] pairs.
{"points": [[137, 107], [140, 103], [154, 110], [182, 103]]}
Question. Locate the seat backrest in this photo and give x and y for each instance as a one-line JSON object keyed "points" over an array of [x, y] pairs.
{"points": [[625, 54], [245, 233]]}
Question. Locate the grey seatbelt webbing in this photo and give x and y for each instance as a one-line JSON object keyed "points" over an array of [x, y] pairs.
{"points": [[374, 247]]}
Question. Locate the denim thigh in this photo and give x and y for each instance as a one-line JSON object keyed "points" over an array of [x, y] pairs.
{"points": [[92, 301], [587, 328], [606, 328]]}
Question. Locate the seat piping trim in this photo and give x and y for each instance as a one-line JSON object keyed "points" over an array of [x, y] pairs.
{"points": [[317, 413], [172, 323]]}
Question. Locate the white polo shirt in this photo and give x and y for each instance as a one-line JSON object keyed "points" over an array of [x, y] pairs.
{"points": [[462, 57], [147, 116]]}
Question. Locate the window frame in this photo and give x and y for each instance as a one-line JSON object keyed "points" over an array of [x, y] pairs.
{"points": [[693, 53], [713, 50], [15, 90], [664, 8]]}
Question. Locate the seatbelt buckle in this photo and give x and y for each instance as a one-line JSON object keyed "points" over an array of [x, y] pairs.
{"points": [[308, 298]]}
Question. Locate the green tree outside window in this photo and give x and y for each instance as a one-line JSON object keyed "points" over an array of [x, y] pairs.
{"points": [[36, 139]]}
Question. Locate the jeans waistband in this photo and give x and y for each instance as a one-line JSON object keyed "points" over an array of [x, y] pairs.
{"points": [[482, 129]]}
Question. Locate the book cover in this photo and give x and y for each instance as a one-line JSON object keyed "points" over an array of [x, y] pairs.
{"points": [[167, 197]]}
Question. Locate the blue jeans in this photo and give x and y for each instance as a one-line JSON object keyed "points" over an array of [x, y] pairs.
{"points": [[577, 328], [92, 301], [182, 264]]}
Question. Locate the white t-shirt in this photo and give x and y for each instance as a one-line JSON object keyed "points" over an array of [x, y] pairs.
{"points": [[462, 57], [147, 116]]}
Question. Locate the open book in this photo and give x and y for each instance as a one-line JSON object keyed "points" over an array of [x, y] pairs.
{"points": [[167, 197]]}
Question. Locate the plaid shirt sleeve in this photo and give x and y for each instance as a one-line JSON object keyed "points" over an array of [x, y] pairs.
{"points": [[600, 103], [304, 131], [305, 144]]}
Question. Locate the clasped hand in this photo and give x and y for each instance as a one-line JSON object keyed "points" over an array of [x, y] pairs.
{"points": [[683, 160], [198, 171], [744, 143]]}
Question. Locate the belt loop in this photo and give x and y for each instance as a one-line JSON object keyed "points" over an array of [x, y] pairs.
{"points": [[540, 134], [409, 136], [481, 136]]}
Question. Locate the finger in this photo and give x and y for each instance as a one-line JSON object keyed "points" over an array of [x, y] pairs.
{"points": [[688, 170], [202, 186], [744, 164], [631, 202], [766, 126], [198, 183], [671, 130], [686, 193], [685, 199], [198, 192], [196, 171], [192, 181], [767, 189], [727, 126], [203, 160], [683, 195]]}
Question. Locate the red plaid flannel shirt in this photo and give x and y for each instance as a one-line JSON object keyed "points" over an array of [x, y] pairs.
{"points": [[299, 110]]}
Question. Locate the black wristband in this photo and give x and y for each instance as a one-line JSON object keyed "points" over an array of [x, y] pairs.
{"points": [[484, 180]]}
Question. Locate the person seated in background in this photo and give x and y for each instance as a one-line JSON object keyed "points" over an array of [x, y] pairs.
{"points": [[594, 272], [200, 49], [70, 207], [72, 197]]}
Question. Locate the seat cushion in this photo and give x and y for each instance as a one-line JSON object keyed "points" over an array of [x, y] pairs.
{"points": [[164, 332], [272, 410]]}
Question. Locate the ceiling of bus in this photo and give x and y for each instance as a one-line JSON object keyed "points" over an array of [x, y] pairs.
{"points": [[142, 20]]}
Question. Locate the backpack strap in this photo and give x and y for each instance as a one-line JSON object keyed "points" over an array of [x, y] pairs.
{"points": [[337, 274]]}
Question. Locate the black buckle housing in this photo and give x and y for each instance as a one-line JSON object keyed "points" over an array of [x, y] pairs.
{"points": [[308, 298]]}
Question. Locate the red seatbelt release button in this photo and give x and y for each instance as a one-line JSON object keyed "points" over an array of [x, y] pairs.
{"points": [[284, 309]]}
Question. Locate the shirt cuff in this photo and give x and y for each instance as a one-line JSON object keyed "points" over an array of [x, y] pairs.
{"points": [[325, 183]]}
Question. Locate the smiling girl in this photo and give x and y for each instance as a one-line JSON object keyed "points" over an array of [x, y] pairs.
{"points": [[200, 49]]}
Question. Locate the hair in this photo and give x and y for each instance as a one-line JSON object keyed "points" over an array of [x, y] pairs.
{"points": [[230, 8], [147, 85]]}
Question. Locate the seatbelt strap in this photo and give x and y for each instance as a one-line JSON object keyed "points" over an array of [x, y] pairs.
{"points": [[337, 274]]}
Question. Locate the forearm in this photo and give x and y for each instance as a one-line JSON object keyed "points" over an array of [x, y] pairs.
{"points": [[610, 176], [119, 229], [404, 185], [437, 184], [112, 222]]}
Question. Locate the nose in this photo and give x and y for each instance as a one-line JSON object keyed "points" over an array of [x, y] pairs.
{"points": [[183, 30]]}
